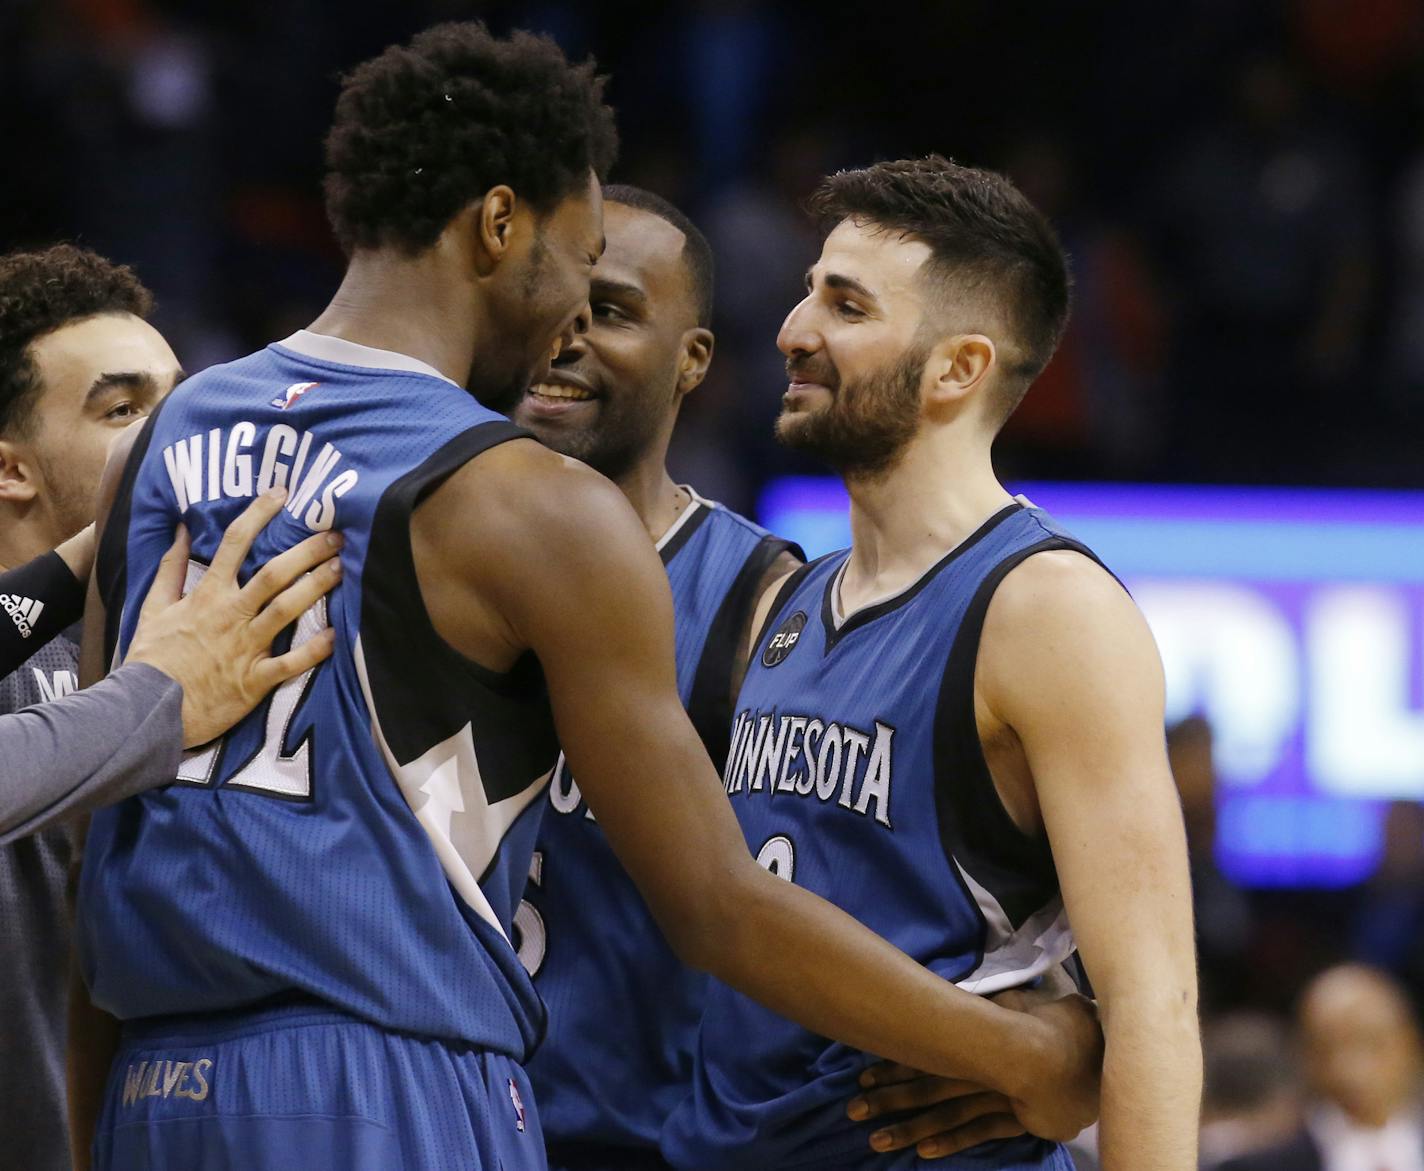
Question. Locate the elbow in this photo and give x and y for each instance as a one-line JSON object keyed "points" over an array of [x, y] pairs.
{"points": [[700, 926]]}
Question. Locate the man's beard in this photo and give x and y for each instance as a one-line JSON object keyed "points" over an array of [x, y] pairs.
{"points": [[73, 498], [617, 438], [868, 423]]}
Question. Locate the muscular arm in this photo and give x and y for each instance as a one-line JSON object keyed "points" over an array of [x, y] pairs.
{"points": [[1068, 666], [524, 549]]}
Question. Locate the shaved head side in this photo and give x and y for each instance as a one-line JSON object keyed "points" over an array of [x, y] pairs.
{"points": [[696, 252], [995, 265]]}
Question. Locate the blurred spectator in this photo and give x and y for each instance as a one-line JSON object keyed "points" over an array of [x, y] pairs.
{"points": [[1263, 225], [1389, 925], [1251, 1095], [1096, 409], [1363, 1067], [1223, 914]]}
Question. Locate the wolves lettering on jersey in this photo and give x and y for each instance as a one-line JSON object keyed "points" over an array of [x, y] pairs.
{"points": [[363, 837], [855, 770], [622, 1010]]}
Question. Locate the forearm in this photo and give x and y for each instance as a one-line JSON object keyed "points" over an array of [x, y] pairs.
{"points": [[839, 979], [92, 748], [1151, 1101]]}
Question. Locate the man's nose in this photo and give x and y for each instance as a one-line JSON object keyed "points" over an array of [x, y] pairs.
{"points": [[571, 343], [795, 335]]}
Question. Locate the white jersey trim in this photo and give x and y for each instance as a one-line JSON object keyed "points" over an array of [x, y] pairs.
{"points": [[444, 790], [689, 510], [325, 348], [1015, 958]]}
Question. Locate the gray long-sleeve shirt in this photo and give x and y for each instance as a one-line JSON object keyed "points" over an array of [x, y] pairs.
{"points": [[70, 752], [91, 748]]}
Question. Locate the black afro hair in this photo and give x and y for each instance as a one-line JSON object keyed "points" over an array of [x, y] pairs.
{"points": [[427, 128]]}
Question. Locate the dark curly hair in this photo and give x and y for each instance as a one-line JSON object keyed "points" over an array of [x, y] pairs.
{"points": [[424, 130], [39, 293], [984, 236]]}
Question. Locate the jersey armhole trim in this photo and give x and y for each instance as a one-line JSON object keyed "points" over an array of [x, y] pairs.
{"points": [[111, 554], [392, 523], [976, 830], [785, 594], [710, 702]]}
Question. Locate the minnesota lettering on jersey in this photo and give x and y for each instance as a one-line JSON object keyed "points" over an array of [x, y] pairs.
{"points": [[217, 463], [809, 757]]}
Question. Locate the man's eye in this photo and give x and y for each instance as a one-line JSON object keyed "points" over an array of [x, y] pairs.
{"points": [[609, 312], [847, 310], [123, 411]]}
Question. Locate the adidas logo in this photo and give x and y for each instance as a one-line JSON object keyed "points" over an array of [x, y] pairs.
{"points": [[25, 612]]}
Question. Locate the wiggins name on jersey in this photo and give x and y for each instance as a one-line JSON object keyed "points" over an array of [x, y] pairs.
{"points": [[856, 771], [362, 838]]}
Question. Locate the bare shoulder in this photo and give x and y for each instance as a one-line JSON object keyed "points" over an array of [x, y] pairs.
{"points": [[519, 539], [1062, 591], [1061, 624], [521, 492]]}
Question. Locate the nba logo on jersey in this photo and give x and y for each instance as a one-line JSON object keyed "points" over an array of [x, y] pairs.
{"points": [[292, 393], [518, 1103]]}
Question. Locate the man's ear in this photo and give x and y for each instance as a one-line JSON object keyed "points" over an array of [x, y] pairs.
{"points": [[959, 366], [18, 483], [492, 224], [696, 358]]}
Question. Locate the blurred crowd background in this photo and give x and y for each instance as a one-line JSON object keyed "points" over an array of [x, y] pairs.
{"points": [[1241, 186]]}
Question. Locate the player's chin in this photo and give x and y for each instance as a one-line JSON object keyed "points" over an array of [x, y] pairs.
{"points": [[794, 425]]}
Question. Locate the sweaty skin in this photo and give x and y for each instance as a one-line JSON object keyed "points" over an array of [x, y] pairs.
{"points": [[503, 551]]}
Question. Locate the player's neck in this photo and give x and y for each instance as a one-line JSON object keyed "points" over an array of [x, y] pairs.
{"points": [[25, 534], [405, 305], [656, 499], [903, 521]]}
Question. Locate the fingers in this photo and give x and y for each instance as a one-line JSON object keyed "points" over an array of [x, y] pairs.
{"points": [[270, 673], [237, 541], [981, 1130], [949, 1126], [294, 599], [168, 582], [887, 1073], [923, 1091]]}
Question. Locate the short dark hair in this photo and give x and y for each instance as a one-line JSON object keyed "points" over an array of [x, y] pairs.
{"points": [[41, 292], [425, 129], [983, 235], [696, 252]]}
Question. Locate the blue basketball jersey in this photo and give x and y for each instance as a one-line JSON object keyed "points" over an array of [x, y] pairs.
{"points": [[362, 838], [623, 1011], [856, 771]]}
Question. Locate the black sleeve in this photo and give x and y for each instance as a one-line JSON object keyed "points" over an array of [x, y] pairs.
{"points": [[37, 601]]}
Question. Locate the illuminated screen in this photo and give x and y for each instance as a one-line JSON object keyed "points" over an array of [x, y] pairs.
{"points": [[1289, 618]]}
